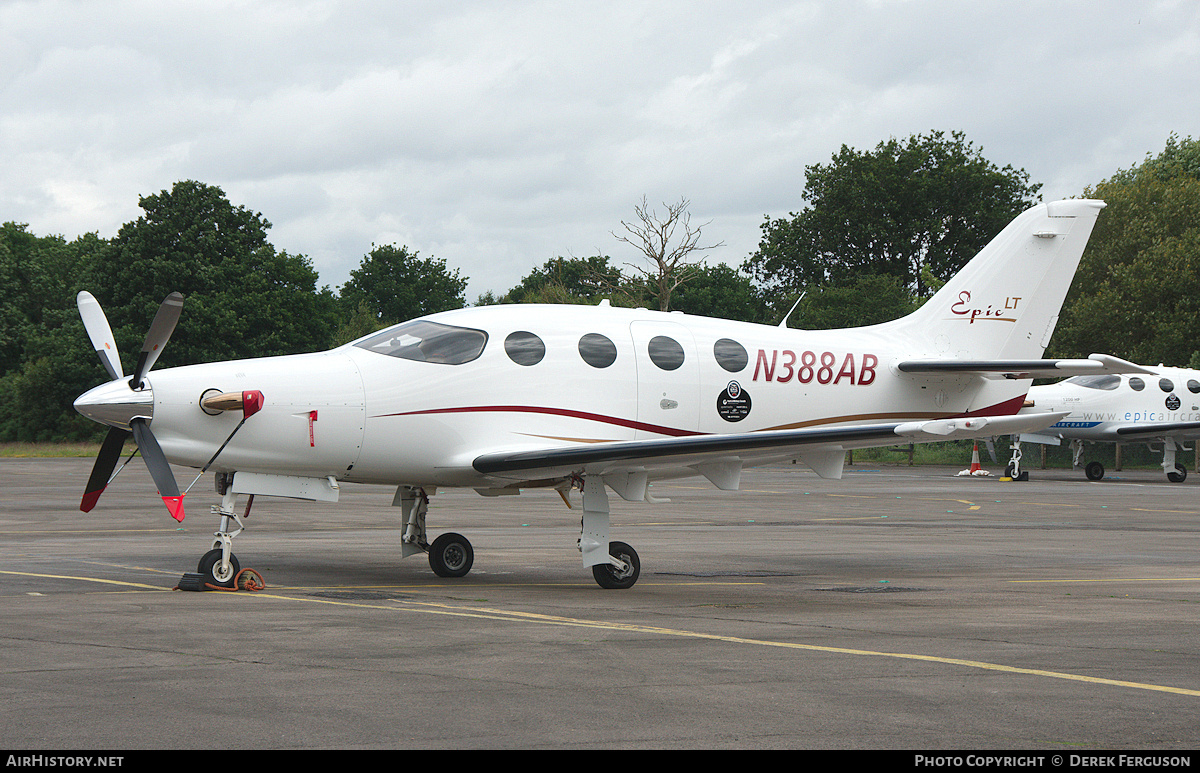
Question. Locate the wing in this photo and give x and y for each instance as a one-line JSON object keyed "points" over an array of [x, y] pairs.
{"points": [[720, 458], [1018, 369]]}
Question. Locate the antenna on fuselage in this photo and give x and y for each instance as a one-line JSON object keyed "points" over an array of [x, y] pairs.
{"points": [[783, 322]]}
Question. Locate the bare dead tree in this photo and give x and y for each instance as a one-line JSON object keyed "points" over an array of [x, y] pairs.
{"points": [[670, 244]]}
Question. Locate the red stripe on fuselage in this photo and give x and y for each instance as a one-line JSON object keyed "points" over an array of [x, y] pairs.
{"points": [[1006, 408], [613, 420]]}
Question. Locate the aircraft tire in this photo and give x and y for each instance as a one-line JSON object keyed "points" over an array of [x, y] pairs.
{"points": [[1180, 474], [609, 577], [1009, 472], [1094, 471], [208, 567], [451, 555]]}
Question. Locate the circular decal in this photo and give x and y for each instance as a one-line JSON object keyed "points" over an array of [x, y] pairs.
{"points": [[1172, 403], [733, 404]]}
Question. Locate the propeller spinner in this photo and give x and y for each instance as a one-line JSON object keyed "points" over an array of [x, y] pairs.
{"points": [[127, 406]]}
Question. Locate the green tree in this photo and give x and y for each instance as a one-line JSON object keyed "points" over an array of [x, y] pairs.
{"points": [[1136, 293], [724, 292], [397, 285], [930, 200], [242, 298], [45, 355], [867, 300], [567, 280]]}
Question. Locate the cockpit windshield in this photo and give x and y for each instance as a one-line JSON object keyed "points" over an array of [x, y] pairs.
{"points": [[1106, 381], [426, 341]]}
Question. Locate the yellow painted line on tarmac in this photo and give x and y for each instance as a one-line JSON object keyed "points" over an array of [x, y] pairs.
{"points": [[1116, 579], [502, 615], [84, 579], [1150, 510]]}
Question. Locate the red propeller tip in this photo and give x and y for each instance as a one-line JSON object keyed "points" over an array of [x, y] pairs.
{"points": [[174, 507], [89, 500]]}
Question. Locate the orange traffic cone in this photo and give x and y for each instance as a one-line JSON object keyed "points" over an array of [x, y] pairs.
{"points": [[975, 459]]}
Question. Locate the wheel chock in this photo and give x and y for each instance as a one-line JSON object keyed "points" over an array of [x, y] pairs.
{"points": [[191, 581]]}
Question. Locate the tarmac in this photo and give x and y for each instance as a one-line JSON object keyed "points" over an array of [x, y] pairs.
{"points": [[902, 608]]}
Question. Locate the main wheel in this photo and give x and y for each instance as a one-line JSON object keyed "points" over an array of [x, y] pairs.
{"points": [[451, 555], [1180, 474], [609, 576], [210, 566], [1094, 471]]}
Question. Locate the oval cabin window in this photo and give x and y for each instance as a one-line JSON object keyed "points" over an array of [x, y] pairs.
{"points": [[524, 348], [597, 350]]}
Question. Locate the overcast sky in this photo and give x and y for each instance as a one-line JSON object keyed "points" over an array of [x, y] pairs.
{"points": [[498, 135]]}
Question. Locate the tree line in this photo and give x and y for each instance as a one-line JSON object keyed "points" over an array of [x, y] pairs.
{"points": [[878, 231]]}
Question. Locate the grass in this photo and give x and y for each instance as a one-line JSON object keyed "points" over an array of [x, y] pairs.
{"points": [[47, 450]]}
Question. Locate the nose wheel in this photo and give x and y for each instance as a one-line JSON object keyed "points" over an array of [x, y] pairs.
{"points": [[217, 572]]}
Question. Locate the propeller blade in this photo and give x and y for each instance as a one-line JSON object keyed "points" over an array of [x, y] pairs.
{"points": [[160, 332], [98, 330], [106, 462], [160, 469]]}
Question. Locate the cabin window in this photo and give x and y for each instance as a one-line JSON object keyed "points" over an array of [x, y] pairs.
{"points": [[597, 350], [426, 341], [1165, 384], [1106, 382], [524, 348], [665, 352], [1193, 386], [730, 355], [1136, 384]]}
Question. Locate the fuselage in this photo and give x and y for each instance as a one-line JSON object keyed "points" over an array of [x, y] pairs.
{"points": [[416, 403], [1100, 404]]}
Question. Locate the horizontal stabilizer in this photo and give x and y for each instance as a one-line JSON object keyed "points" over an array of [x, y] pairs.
{"points": [[1020, 369]]}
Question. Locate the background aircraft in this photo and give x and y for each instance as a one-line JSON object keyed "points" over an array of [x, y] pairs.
{"points": [[507, 398], [1146, 404]]}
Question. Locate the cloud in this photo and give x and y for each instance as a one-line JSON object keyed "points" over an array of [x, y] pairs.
{"points": [[497, 136]]}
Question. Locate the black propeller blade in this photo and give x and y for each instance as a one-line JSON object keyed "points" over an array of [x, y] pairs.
{"points": [[106, 462], [159, 468], [160, 332]]}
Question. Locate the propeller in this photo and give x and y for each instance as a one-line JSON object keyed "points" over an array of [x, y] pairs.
{"points": [[127, 407]]}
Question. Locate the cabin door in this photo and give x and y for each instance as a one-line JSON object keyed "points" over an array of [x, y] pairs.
{"points": [[668, 374]]}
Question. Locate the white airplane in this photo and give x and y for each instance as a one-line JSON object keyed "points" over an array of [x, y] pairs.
{"points": [[506, 398], [1152, 405]]}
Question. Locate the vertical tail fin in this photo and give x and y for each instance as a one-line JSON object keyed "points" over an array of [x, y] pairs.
{"points": [[1005, 302]]}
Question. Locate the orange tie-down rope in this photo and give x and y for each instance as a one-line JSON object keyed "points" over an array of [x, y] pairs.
{"points": [[247, 579]]}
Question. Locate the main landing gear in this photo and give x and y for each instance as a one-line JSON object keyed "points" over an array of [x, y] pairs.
{"points": [[614, 565], [1176, 472], [450, 555]]}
